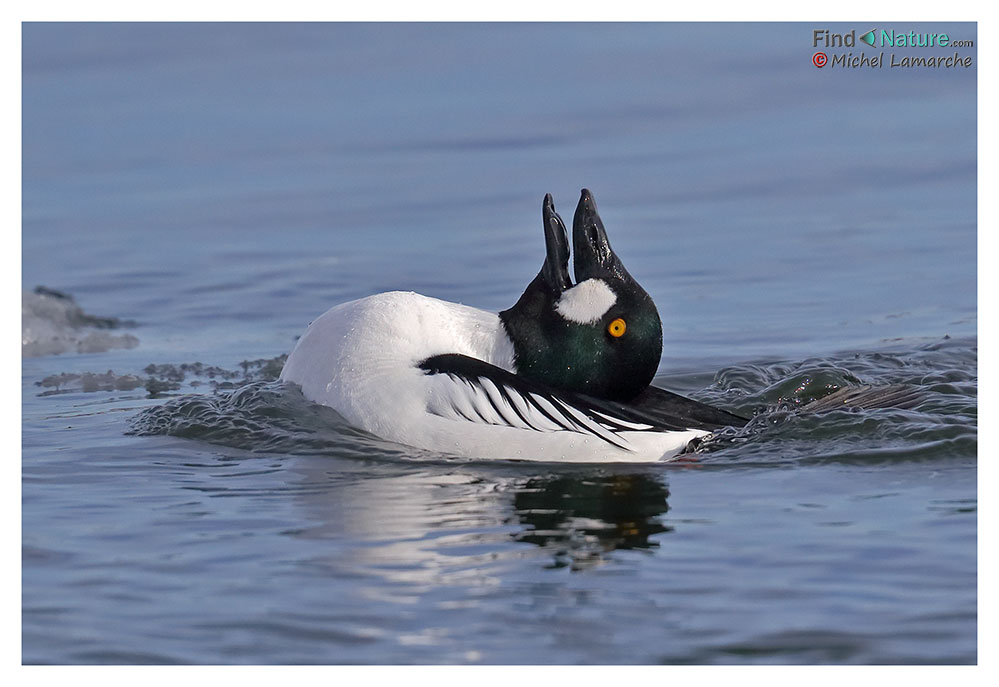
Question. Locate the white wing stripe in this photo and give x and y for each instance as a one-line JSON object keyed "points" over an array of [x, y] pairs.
{"points": [[482, 400], [593, 426], [508, 414], [462, 401], [485, 406], [531, 414], [553, 413], [622, 423]]}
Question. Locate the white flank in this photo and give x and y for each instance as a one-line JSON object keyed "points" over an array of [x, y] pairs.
{"points": [[586, 302]]}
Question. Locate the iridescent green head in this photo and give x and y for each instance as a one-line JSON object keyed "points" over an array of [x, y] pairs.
{"points": [[601, 336]]}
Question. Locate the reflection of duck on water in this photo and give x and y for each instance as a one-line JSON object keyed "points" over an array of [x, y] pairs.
{"points": [[584, 517]]}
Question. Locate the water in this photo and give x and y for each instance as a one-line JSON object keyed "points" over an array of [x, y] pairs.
{"points": [[218, 187]]}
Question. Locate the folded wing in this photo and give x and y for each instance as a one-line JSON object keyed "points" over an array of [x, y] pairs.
{"points": [[465, 388]]}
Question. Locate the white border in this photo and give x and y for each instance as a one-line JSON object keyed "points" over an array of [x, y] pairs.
{"points": [[520, 10]]}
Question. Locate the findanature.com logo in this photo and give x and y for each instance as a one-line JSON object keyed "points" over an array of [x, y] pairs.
{"points": [[889, 38]]}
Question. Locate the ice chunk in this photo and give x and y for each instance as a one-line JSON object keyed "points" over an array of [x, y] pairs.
{"points": [[52, 323]]}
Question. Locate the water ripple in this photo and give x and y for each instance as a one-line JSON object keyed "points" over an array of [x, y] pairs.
{"points": [[273, 418]]}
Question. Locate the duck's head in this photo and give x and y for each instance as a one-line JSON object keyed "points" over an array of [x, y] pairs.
{"points": [[600, 336]]}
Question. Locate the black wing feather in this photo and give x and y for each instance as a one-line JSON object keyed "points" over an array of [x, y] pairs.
{"points": [[656, 408]]}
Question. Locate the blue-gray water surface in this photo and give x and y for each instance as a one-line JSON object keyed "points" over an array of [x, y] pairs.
{"points": [[202, 192]]}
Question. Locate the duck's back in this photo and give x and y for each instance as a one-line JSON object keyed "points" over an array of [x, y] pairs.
{"points": [[361, 358]]}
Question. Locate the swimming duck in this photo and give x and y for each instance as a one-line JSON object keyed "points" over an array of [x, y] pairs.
{"points": [[562, 376]]}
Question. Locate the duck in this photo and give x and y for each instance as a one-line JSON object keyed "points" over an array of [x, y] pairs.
{"points": [[564, 375]]}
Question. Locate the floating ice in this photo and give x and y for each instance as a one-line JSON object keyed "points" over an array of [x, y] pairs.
{"points": [[52, 323]]}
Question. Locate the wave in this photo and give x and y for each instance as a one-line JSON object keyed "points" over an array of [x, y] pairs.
{"points": [[269, 416]]}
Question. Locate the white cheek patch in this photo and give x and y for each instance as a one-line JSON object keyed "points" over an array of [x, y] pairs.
{"points": [[586, 302]]}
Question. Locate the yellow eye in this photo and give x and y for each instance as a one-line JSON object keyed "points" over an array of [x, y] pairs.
{"points": [[617, 328]]}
